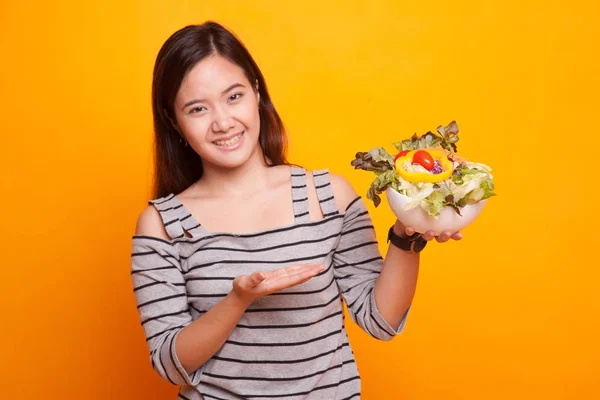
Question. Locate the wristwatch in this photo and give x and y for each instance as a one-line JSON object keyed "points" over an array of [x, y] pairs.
{"points": [[413, 244]]}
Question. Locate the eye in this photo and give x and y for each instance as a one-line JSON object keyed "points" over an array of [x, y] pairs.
{"points": [[196, 110], [235, 96]]}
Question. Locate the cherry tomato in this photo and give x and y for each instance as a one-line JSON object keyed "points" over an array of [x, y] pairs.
{"points": [[401, 154], [424, 158]]}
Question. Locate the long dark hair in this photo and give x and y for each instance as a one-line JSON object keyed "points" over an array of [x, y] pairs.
{"points": [[177, 166]]}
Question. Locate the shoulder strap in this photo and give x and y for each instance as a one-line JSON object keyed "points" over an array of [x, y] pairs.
{"points": [[170, 211], [299, 195], [325, 193], [188, 222]]}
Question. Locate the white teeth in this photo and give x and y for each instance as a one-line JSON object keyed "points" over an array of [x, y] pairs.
{"points": [[229, 142]]}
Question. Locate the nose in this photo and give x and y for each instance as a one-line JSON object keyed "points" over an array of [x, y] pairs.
{"points": [[222, 120]]}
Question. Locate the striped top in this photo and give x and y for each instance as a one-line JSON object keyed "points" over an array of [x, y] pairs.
{"points": [[288, 345]]}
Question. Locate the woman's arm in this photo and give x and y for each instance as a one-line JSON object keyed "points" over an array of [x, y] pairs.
{"points": [[199, 340], [396, 284]]}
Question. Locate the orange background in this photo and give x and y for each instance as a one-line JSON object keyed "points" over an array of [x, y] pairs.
{"points": [[508, 312]]}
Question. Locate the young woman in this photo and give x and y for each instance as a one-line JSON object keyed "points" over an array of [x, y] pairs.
{"points": [[241, 262]]}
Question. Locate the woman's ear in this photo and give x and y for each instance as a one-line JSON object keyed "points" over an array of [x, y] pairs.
{"points": [[257, 92]]}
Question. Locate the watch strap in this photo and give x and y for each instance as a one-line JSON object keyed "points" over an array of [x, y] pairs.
{"points": [[413, 244]]}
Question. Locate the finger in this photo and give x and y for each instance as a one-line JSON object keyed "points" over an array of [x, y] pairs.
{"points": [[410, 230], [457, 236], [256, 278], [276, 273], [291, 270], [297, 278], [443, 237], [311, 270], [429, 235]]}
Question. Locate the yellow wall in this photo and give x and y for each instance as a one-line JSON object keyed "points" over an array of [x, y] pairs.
{"points": [[508, 312]]}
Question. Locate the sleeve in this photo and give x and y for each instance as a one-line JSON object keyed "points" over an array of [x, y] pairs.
{"points": [[161, 299], [357, 265]]}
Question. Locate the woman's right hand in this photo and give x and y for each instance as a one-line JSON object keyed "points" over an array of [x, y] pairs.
{"points": [[248, 288]]}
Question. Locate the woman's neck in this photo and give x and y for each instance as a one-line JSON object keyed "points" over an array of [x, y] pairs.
{"points": [[242, 181]]}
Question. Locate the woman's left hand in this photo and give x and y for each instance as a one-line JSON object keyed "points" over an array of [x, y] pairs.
{"points": [[430, 235]]}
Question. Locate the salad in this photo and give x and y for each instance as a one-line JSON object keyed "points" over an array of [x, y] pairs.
{"points": [[428, 170]]}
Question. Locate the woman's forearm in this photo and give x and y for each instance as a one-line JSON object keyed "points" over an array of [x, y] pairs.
{"points": [[200, 340], [396, 285]]}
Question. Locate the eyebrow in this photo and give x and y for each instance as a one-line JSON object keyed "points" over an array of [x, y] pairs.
{"points": [[189, 103]]}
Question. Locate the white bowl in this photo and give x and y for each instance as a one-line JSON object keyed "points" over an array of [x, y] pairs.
{"points": [[417, 218]]}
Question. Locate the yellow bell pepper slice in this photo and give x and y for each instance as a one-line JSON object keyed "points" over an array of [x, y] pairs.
{"points": [[440, 156]]}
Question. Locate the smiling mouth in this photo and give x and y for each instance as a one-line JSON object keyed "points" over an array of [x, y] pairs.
{"points": [[229, 142]]}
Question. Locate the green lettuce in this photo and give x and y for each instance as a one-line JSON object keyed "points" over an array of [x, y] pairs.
{"points": [[381, 184], [377, 160], [448, 136]]}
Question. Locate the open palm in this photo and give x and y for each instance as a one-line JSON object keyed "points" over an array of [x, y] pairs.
{"points": [[262, 283]]}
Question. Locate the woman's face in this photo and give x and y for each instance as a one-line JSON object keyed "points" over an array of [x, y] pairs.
{"points": [[217, 112]]}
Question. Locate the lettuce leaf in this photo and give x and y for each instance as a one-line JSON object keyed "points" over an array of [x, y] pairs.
{"points": [[380, 185], [378, 160], [447, 138], [434, 203]]}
